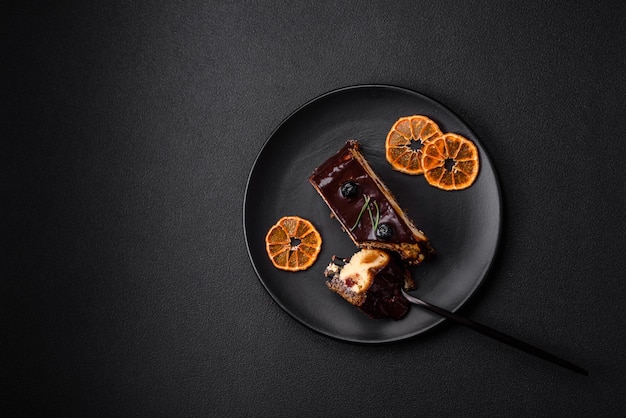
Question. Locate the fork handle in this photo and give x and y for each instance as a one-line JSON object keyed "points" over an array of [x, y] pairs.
{"points": [[490, 332]]}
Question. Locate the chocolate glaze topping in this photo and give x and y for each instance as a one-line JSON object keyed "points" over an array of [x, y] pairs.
{"points": [[384, 297], [349, 166]]}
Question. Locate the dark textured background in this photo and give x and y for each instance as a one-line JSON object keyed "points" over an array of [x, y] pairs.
{"points": [[128, 130]]}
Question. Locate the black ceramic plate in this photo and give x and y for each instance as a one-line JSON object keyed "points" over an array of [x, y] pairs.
{"points": [[463, 226]]}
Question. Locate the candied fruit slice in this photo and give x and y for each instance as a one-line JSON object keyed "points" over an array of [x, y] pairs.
{"points": [[293, 243], [460, 152], [405, 142]]}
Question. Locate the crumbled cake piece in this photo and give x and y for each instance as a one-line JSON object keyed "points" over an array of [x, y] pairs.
{"points": [[372, 281]]}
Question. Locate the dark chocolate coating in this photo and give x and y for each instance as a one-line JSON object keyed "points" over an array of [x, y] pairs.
{"points": [[341, 168], [384, 298]]}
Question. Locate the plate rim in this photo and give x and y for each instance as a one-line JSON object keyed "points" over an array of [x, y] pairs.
{"points": [[464, 300]]}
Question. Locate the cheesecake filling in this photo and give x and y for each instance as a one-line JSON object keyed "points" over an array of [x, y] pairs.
{"points": [[372, 281]]}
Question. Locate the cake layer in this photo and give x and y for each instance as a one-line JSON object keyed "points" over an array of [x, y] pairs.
{"points": [[371, 280], [366, 209]]}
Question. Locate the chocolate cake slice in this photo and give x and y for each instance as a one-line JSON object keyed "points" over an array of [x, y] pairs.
{"points": [[371, 280], [365, 207]]}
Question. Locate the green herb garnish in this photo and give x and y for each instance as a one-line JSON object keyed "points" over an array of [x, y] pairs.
{"points": [[377, 218], [358, 219], [366, 205]]}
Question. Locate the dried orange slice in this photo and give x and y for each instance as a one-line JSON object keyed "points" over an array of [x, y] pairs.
{"points": [[405, 140], [450, 162], [293, 243]]}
